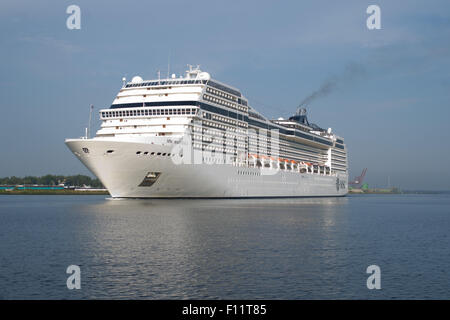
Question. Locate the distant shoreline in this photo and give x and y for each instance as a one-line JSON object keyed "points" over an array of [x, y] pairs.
{"points": [[383, 191], [52, 192]]}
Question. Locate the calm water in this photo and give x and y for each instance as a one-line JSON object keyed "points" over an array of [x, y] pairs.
{"points": [[225, 249]]}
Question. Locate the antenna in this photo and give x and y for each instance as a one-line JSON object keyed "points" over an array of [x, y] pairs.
{"points": [[124, 80], [168, 65], [159, 76], [88, 130]]}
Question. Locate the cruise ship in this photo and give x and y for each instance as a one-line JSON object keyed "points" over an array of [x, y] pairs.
{"points": [[192, 136]]}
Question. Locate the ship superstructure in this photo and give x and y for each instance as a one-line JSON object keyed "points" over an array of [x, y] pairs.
{"points": [[194, 136]]}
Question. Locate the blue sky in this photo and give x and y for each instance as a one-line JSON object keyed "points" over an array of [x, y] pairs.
{"points": [[393, 114]]}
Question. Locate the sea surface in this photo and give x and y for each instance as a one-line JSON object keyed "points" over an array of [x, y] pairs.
{"points": [[225, 249]]}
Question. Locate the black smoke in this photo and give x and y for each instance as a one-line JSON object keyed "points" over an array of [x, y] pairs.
{"points": [[351, 72]]}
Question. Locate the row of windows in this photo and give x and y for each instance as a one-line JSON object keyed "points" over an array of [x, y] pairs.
{"points": [[223, 112], [147, 112], [258, 137], [338, 152], [219, 141], [219, 133], [154, 104], [339, 162], [248, 173], [218, 136], [212, 116], [343, 164], [221, 126], [224, 103], [335, 156], [164, 83], [221, 94], [204, 147], [224, 88], [140, 153], [338, 159], [293, 167]]}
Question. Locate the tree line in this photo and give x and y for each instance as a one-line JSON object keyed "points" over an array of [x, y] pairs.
{"points": [[53, 180]]}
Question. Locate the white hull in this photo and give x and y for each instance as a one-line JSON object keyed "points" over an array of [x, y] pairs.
{"points": [[122, 171]]}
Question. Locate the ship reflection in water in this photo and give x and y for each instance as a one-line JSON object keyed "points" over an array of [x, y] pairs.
{"points": [[308, 248], [208, 248]]}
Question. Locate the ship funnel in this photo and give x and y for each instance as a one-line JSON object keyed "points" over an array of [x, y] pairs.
{"points": [[301, 110], [300, 115]]}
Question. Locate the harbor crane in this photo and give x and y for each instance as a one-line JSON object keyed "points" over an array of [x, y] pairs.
{"points": [[357, 182]]}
